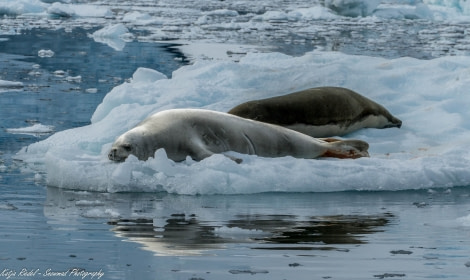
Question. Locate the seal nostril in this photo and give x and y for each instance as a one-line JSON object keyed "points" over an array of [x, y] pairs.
{"points": [[112, 154], [399, 123]]}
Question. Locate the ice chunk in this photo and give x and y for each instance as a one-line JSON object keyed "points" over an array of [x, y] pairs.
{"points": [[61, 10], [313, 13], [352, 8], [10, 85], [18, 7], [46, 53], [112, 36], [35, 130]]}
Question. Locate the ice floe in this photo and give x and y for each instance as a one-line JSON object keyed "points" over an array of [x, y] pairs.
{"points": [[430, 150]]}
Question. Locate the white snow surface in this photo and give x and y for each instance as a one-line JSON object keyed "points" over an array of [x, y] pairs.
{"points": [[430, 150]]}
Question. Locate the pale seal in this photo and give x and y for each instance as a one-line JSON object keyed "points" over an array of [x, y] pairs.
{"points": [[201, 133], [319, 112]]}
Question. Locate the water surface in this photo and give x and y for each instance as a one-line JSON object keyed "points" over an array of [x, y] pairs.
{"points": [[61, 91], [343, 235], [64, 89]]}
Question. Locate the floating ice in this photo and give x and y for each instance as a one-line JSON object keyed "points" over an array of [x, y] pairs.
{"points": [[223, 12], [112, 36], [18, 7], [59, 73], [61, 10], [138, 18], [74, 79], [35, 130], [352, 26], [305, 14], [462, 6], [10, 85], [273, 16], [90, 10], [430, 150], [79, 10], [313, 13], [91, 90], [353, 8], [416, 11], [46, 53], [273, 10], [112, 31]]}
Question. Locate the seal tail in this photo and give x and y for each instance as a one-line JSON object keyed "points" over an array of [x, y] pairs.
{"points": [[346, 148]]}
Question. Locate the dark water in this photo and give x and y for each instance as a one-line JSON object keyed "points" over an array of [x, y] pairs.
{"points": [[60, 99]]}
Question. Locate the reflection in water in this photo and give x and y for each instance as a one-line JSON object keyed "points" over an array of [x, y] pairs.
{"points": [[339, 229], [188, 235], [172, 225], [179, 236]]}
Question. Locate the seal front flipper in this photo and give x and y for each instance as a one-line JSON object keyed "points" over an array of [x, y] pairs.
{"points": [[235, 159], [200, 154], [346, 148], [204, 153]]}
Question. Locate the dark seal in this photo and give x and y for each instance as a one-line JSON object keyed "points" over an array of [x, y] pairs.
{"points": [[319, 112]]}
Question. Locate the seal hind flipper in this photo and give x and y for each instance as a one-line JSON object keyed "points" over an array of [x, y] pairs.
{"points": [[202, 151], [346, 148]]}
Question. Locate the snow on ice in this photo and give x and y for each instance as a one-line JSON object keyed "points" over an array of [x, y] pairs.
{"points": [[430, 150]]}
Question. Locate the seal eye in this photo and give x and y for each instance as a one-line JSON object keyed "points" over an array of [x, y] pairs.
{"points": [[127, 147]]}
